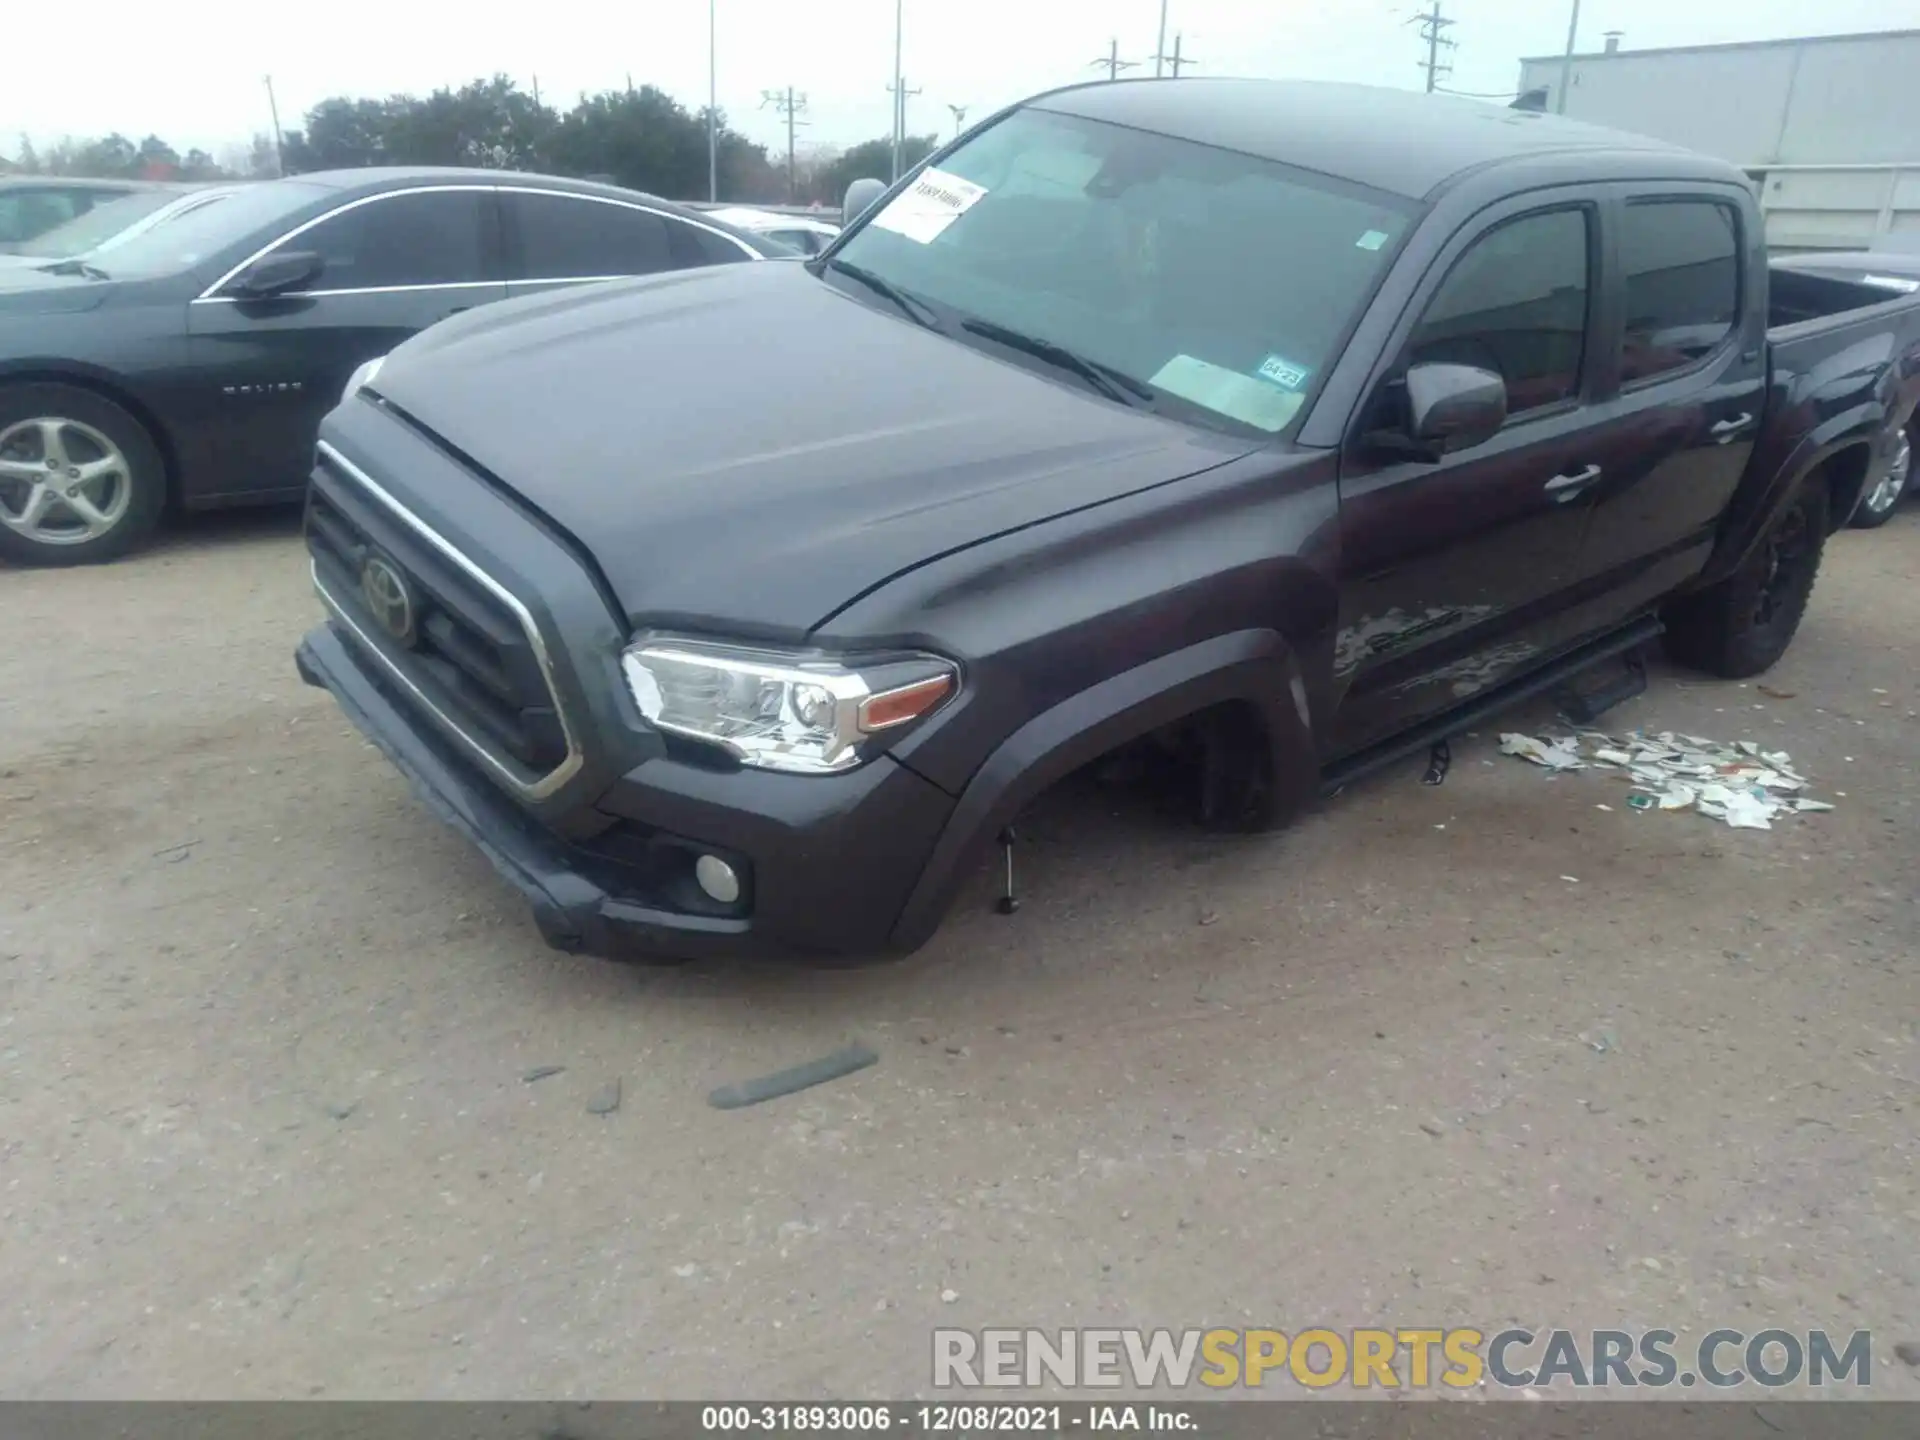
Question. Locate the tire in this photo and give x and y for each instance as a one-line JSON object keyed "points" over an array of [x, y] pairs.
{"points": [[1740, 626], [103, 491], [1234, 792], [1876, 507]]}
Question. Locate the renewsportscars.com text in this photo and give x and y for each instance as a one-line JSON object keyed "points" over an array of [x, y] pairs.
{"points": [[1457, 1359]]}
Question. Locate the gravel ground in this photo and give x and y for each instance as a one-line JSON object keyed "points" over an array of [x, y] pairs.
{"points": [[264, 1025]]}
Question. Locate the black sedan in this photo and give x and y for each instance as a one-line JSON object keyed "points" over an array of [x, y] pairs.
{"points": [[1897, 273], [191, 364]]}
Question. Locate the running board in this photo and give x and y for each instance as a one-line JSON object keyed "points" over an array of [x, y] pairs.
{"points": [[1454, 722]]}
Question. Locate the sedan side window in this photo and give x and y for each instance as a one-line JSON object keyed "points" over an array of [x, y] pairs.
{"points": [[421, 237], [564, 237], [1516, 304]]}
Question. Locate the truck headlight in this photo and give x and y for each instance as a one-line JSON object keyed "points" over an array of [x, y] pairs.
{"points": [[781, 710], [362, 377]]}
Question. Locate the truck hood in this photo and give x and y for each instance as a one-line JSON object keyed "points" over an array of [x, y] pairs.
{"points": [[748, 446]]}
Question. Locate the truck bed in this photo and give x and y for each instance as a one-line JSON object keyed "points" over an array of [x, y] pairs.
{"points": [[1796, 297]]}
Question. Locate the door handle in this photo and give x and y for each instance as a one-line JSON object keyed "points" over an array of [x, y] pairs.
{"points": [[1565, 487], [1727, 429]]}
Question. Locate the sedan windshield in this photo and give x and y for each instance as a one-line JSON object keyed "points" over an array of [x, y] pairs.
{"points": [[197, 234], [100, 224], [1216, 283]]}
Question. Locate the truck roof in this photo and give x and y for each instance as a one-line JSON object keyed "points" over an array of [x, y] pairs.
{"points": [[1400, 141]]}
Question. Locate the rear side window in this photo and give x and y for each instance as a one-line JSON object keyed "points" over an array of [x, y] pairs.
{"points": [[421, 237], [805, 242], [1516, 304], [1682, 264], [569, 238], [707, 247]]}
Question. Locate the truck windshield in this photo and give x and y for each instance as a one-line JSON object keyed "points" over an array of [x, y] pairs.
{"points": [[1219, 283]]}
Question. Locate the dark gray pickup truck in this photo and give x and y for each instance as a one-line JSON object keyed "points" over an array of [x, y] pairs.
{"points": [[1294, 426]]}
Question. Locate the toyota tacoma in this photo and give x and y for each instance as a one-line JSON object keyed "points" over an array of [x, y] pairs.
{"points": [[1295, 426]]}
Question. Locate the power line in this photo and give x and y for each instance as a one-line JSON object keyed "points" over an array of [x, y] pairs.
{"points": [[1433, 28], [1176, 59], [279, 142], [900, 95], [1113, 62], [898, 87], [1566, 60], [787, 103]]}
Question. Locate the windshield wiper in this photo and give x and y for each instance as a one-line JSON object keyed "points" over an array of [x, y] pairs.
{"points": [[75, 266], [1112, 383], [917, 311]]}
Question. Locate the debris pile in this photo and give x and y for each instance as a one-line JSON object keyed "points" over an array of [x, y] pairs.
{"points": [[1740, 785]]}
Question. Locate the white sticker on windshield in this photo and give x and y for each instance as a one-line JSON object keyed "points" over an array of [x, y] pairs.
{"points": [[933, 202], [1228, 392], [1372, 240]]}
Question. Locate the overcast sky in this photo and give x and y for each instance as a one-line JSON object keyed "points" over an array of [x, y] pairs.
{"points": [[191, 70]]}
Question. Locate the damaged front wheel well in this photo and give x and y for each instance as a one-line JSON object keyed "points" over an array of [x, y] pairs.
{"points": [[1225, 756]]}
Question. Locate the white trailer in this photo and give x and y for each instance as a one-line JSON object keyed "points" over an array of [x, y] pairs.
{"points": [[1829, 126]]}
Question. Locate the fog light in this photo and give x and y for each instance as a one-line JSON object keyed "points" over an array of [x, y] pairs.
{"points": [[717, 878]]}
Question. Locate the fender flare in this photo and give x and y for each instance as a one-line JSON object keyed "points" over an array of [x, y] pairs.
{"points": [[1857, 428], [1255, 666]]}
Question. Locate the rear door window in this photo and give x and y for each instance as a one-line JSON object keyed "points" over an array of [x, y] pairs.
{"points": [[1681, 260], [570, 237]]}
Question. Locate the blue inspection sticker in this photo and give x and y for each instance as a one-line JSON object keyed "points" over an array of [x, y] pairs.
{"points": [[1283, 372]]}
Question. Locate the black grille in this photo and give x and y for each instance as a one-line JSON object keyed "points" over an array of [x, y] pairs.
{"points": [[469, 652]]}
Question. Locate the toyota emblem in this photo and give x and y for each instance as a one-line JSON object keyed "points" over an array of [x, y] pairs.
{"points": [[389, 598]]}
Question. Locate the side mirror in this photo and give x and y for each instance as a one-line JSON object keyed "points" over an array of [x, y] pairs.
{"points": [[859, 199], [278, 273], [1453, 407]]}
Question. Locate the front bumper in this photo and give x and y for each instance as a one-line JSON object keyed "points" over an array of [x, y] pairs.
{"points": [[832, 859]]}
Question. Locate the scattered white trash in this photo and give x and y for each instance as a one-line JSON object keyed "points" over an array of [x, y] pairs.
{"points": [[1739, 785]]}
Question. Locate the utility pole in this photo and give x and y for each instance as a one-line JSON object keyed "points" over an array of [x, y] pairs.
{"points": [[279, 142], [900, 94], [1566, 60], [959, 115], [789, 105], [1160, 49], [536, 92], [1433, 28], [713, 106], [1176, 60], [1113, 62], [899, 91]]}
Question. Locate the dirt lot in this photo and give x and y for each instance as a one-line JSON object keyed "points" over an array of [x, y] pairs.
{"points": [[263, 1028]]}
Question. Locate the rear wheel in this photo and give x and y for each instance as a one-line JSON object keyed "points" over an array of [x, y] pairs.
{"points": [[1740, 626], [1882, 499], [80, 479]]}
